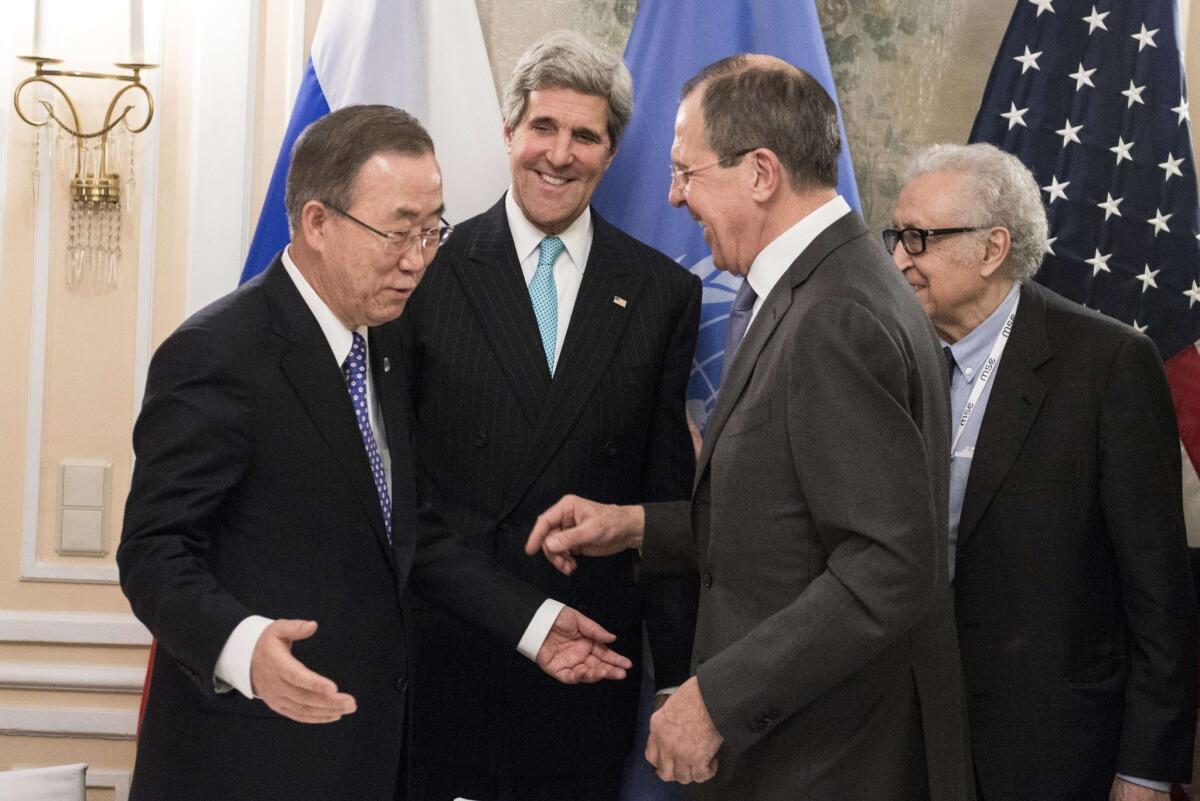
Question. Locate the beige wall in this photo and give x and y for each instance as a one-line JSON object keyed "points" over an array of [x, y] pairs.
{"points": [[71, 656]]}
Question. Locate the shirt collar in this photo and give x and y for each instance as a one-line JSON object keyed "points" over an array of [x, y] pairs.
{"points": [[775, 259], [336, 334], [972, 351], [526, 237]]}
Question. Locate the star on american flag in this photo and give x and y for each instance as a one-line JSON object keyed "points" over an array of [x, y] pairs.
{"points": [[1127, 240]]}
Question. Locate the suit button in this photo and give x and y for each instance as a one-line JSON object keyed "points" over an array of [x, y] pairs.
{"points": [[610, 448], [481, 440], [401, 684], [707, 579]]}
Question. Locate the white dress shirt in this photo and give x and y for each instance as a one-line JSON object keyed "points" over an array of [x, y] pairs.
{"points": [[232, 670], [774, 260], [568, 269]]}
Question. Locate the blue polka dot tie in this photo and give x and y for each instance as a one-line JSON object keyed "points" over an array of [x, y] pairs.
{"points": [[355, 371], [544, 295]]}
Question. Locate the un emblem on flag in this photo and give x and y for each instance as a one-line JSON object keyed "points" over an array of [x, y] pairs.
{"points": [[718, 290]]}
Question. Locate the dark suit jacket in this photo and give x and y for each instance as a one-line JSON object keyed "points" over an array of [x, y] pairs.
{"points": [[825, 647], [1075, 604], [252, 494], [499, 442]]}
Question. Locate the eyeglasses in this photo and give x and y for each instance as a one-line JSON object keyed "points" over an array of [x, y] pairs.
{"points": [[913, 239], [683, 177], [401, 241]]}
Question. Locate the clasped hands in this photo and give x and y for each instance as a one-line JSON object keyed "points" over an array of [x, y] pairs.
{"points": [[575, 651], [683, 740]]}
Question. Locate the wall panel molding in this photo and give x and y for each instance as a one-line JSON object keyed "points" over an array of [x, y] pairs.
{"points": [[32, 568], [117, 780], [222, 148], [43, 721], [71, 628], [71, 677]]}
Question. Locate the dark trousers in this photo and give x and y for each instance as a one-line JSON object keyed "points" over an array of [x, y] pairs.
{"points": [[447, 782]]}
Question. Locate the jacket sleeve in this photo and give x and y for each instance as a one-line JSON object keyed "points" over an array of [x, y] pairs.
{"points": [[1141, 496], [192, 443]]}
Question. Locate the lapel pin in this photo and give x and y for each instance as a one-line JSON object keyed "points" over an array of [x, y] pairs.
{"points": [[620, 301], [387, 364]]}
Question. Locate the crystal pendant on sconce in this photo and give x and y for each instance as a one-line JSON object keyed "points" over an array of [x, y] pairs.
{"points": [[99, 156]]}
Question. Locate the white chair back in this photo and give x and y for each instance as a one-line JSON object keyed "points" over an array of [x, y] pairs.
{"points": [[59, 783]]}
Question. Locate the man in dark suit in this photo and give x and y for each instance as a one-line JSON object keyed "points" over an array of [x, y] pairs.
{"points": [[275, 489], [1074, 602], [825, 661], [551, 355]]}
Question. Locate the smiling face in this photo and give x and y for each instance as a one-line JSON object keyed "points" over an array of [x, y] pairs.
{"points": [[955, 279], [361, 280], [716, 196], [557, 153]]}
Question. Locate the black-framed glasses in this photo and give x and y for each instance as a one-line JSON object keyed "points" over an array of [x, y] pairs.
{"points": [[913, 239], [683, 177], [401, 241]]}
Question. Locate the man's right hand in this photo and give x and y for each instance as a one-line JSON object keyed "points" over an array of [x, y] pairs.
{"points": [[286, 685], [576, 526]]}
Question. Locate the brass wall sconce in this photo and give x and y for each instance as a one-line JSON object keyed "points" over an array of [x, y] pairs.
{"points": [[93, 246]]}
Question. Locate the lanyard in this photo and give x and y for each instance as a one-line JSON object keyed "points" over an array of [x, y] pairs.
{"points": [[985, 375]]}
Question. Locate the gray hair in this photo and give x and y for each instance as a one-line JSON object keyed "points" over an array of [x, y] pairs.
{"points": [[329, 153], [999, 191], [780, 107], [566, 60]]}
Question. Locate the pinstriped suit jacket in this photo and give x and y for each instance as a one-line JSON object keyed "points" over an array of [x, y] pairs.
{"points": [[498, 442]]}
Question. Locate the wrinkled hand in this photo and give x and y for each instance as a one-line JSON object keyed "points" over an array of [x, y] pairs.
{"points": [[576, 526], [1128, 791], [286, 685], [576, 651], [683, 739]]}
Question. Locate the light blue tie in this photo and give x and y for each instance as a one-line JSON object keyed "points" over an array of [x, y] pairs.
{"points": [[544, 295]]}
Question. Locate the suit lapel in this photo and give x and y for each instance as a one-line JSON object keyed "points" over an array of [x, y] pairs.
{"points": [[318, 382], [595, 331], [1012, 407], [491, 278], [777, 302]]}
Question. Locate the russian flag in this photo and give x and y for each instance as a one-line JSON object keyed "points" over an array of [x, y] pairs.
{"points": [[424, 56], [670, 43]]}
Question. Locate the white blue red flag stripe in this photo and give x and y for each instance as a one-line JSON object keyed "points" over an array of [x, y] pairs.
{"points": [[424, 56]]}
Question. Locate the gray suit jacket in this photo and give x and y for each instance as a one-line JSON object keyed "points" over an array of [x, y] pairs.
{"points": [[825, 645]]}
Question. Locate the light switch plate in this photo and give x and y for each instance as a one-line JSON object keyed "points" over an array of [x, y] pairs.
{"points": [[82, 532], [83, 484], [83, 489]]}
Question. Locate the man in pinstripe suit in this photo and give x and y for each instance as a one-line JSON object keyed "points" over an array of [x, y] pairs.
{"points": [[549, 354]]}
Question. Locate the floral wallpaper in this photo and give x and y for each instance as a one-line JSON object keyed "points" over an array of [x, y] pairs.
{"points": [[908, 72]]}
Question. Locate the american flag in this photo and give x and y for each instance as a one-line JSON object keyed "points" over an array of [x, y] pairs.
{"points": [[1091, 97]]}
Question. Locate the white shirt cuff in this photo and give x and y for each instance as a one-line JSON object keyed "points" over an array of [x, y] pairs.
{"points": [[539, 628], [667, 690], [233, 665], [1162, 787]]}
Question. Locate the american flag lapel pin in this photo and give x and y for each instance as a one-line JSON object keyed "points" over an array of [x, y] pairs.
{"points": [[620, 301]]}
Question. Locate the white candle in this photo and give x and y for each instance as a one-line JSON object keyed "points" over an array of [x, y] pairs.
{"points": [[136, 55], [39, 41]]}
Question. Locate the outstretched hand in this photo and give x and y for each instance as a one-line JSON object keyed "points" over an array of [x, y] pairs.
{"points": [[576, 526], [576, 651], [286, 685]]}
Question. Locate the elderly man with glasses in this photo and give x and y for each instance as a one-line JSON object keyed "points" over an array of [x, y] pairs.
{"points": [[1075, 608], [274, 492]]}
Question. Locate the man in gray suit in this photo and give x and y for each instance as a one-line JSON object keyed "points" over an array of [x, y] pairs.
{"points": [[825, 662]]}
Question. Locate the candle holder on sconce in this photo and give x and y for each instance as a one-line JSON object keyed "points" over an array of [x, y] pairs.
{"points": [[93, 242]]}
